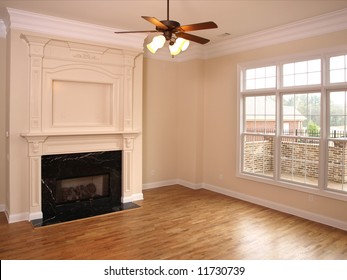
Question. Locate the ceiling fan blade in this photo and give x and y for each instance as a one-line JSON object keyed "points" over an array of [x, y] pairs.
{"points": [[198, 26], [140, 31], [193, 38], [156, 22]]}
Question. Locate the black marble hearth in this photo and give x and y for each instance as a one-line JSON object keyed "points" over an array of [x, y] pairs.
{"points": [[82, 185]]}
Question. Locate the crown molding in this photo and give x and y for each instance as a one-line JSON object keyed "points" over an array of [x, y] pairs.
{"points": [[65, 28], [2, 29], [315, 26], [49, 25]]}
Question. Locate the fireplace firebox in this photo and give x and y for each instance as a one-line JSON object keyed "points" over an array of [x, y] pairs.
{"points": [[80, 185]]}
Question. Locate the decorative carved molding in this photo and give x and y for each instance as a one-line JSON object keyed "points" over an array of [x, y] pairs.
{"points": [[60, 27], [53, 143], [62, 74], [85, 56]]}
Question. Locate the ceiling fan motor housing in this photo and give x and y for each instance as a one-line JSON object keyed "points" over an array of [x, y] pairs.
{"points": [[171, 28]]}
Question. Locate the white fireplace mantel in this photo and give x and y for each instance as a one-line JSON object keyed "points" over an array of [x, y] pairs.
{"points": [[81, 99]]}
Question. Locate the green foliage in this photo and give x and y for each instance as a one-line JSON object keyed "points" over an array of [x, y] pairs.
{"points": [[313, 129]]}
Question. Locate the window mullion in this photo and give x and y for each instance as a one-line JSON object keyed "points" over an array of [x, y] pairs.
{"points": [[323, 152], [278, 131]]}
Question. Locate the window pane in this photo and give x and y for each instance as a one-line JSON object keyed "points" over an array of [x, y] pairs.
{"points": [[337, 76], [260, 113], [337, 62], [338, 72], [260, 72], [250, 73], [288, 69], [300, 160], [337, 168], [313, 65], [302, 73], [338, 114], [260, 78], [301, 113], [258, 155]]}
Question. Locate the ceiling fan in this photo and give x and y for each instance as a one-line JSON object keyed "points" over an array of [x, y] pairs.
{"points": [[171, 31]]}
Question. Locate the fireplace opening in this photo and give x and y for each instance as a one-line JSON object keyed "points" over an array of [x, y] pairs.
{"points": [[70, 190], [80, 185]]}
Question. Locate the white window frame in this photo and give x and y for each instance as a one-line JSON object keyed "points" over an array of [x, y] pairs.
{"points": [[323, 88]]}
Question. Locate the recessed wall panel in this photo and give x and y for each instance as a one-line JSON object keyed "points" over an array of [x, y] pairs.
{"points": [[76, 104]]}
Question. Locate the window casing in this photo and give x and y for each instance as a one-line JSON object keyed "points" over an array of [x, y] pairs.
{"points": [[293, 123]]}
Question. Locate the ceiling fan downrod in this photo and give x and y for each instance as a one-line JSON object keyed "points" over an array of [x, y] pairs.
{"points": [[167, 9]]}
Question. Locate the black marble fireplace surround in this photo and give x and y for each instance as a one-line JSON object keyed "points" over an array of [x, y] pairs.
{"points": [[76, 186]]}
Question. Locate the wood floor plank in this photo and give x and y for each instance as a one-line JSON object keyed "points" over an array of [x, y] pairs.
{"points": [[178, 223]]}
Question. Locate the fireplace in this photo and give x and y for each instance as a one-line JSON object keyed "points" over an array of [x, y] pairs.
{"points": [[108, 81], [72, 190], [80, 185]]}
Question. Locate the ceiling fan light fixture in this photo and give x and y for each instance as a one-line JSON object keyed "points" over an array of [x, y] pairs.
{"points": [[157, 43], [184, 44], [180, 45], [173, 31]]}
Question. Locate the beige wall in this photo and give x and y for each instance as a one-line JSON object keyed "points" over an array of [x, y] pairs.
{"points": [[2, 119], [191, 133], [159, 121], [190, 94], [173, 120]]}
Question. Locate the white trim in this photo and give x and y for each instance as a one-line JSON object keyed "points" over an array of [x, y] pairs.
{"points": [[280, 207], [35, 216], [14, 218], [65, 28], [133, 197], [3, 31], [315, 26], [159, 184], [194, 186]]}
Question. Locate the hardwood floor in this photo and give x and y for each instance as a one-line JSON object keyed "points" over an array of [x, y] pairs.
{"points": [[178, 223]]}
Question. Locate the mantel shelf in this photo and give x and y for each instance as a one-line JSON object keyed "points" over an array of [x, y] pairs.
{"points": [[85, 133]]}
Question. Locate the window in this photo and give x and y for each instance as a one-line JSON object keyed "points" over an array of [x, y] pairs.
{"points": [[337, 71], [337, 141], [294, 126], [302, 73], [299, 144], [258, 140], [259, 78]]}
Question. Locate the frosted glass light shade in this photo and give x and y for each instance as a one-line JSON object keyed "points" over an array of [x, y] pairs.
{"points": [[157, 43], [180, 45]]}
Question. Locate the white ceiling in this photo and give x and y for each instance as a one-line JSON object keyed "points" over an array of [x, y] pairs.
{"points": [[234, 17]]}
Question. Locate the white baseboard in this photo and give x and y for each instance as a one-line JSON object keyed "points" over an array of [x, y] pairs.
{"points": [[259, 201], [154, 185], [35, 216], [159, 184], [194, 186], [14, 218], [134, 197], [280, 207]]}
